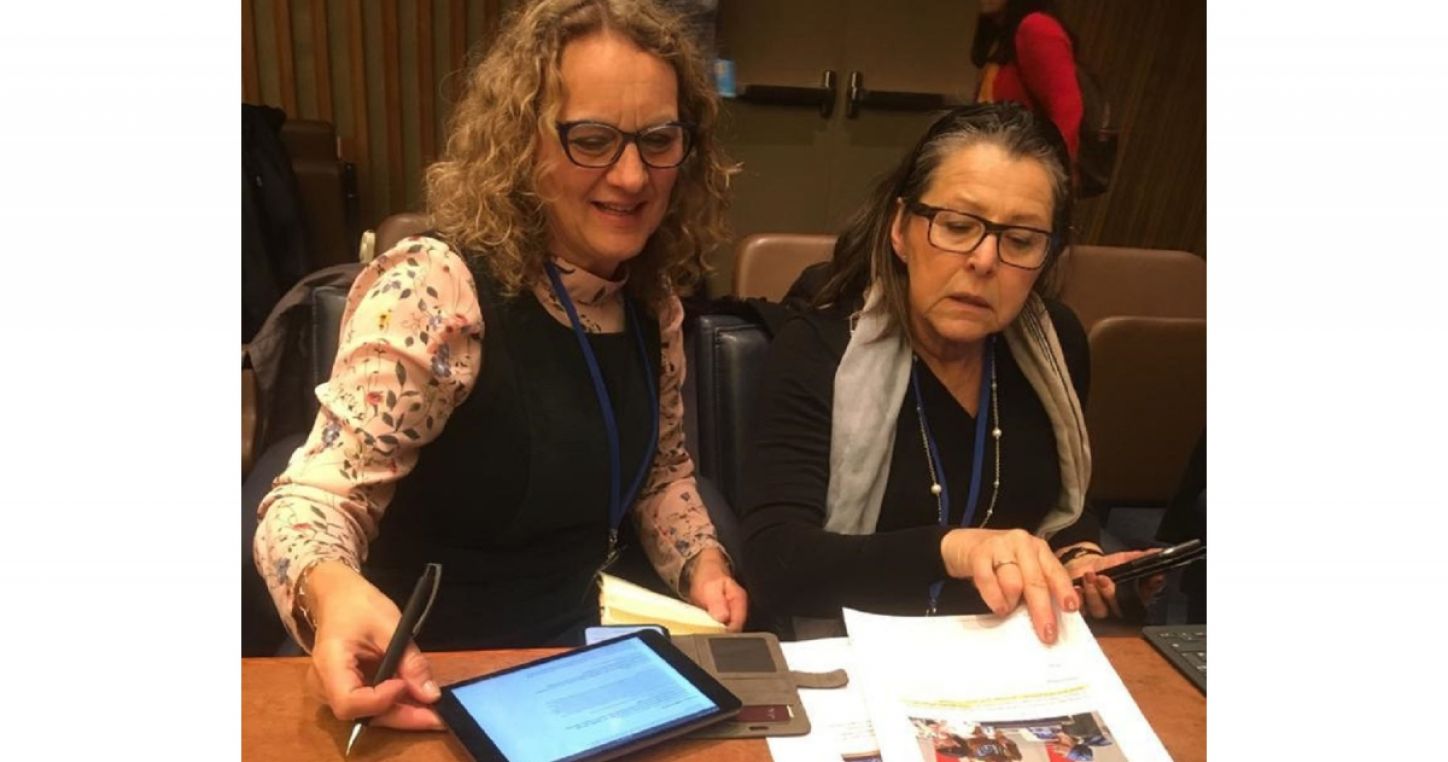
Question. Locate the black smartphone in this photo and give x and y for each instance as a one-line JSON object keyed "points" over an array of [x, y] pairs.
{"points": [[1170, 558]]}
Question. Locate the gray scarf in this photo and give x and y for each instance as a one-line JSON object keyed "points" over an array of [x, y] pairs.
{"points": [[870, 385]]}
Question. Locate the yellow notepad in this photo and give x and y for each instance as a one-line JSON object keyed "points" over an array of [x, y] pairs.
{"points": [[621, 602]]}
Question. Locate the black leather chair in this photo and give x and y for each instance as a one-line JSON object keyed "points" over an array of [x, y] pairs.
{"points": [[262, 633], [328, 304], [726, 356]]}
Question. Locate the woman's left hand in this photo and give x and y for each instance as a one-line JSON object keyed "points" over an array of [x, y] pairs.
{"points": [[1098, 591], [713, 589]]}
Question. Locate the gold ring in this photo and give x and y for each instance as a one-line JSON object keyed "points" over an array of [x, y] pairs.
{"points": [[998, 564]]}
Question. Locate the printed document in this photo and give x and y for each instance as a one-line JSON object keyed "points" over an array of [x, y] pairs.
{"points": [[932, 689]]}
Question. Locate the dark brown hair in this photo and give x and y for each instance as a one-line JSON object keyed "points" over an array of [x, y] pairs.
{"points": [[864, 251]]}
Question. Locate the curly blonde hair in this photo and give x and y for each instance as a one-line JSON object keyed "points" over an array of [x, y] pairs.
{"points": [[483, 194]]}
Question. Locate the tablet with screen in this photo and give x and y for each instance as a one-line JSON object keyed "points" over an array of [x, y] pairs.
{"points": [[593, 703]]}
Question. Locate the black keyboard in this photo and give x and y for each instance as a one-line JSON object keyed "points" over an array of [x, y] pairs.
{"points": [[1185, 646]]}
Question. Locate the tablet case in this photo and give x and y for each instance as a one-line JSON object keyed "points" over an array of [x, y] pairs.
{"points": [[752, 666]]}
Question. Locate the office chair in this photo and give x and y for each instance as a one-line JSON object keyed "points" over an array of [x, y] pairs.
{"points": [[1101, 281], [1144, 311], [1147, 408], [726, 356], [327, 186], [767, 263]]}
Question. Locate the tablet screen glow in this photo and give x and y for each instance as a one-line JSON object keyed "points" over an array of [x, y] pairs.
{"points": [[597, 699]]}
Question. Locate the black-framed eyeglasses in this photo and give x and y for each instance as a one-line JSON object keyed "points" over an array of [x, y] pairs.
{"points": [[961, 232], [597, 145]]}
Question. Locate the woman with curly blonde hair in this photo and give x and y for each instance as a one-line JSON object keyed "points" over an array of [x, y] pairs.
{"points": [[507, 387]]}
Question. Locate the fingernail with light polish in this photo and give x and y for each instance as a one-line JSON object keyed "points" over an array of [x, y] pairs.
{"points": [[1050, 633]]}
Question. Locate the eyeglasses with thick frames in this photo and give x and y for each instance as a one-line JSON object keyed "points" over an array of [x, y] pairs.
{"points": [[961, 232], [597, 145]]}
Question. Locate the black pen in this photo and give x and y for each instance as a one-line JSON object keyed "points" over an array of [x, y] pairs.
{"points": [[407, 628]]}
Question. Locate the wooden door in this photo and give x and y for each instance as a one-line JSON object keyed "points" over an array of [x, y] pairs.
{"points": [[803, 172]]}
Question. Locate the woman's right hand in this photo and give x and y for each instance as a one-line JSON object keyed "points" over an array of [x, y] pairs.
{"points": [[1007, 566], [355, 622]]}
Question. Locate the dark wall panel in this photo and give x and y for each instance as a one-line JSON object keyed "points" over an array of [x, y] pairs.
{"points": [[384, 73], [359, 64], [1151, 58]]}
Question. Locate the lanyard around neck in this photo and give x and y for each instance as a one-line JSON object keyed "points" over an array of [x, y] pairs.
{"points": [[617, 502], [982, 414]]}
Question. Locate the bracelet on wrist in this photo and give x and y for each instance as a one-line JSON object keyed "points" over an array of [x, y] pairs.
{"points": [[301, 606]]}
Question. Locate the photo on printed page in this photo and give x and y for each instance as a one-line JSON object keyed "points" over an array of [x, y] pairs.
{"points": [[1067, 738]]}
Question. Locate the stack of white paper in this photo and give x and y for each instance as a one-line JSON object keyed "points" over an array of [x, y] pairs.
{"points": [[967, 687]]}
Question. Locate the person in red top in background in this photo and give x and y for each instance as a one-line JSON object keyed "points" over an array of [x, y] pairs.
{"points": [[1026, 55]]}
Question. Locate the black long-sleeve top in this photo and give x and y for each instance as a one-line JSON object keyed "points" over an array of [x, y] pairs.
{"points": [[795, 567]]}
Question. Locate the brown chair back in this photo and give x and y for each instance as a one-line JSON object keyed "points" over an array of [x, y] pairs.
{"points": [[1147, 407], [1144, 311], [767, 263], [322, 183], [1101, 281]]}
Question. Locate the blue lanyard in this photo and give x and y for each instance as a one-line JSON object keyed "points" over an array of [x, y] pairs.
{"points": [[982, 415], [617, 503]]}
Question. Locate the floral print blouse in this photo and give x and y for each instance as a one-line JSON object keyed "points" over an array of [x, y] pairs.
{"points": [[410, 349]]}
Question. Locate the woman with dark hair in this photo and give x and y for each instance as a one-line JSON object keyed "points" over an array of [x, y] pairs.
{"points": [[507, 389], [924, 425], [1027, 56]]}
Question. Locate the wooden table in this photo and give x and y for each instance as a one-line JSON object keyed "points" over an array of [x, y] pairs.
{"points": [[280, 721]]}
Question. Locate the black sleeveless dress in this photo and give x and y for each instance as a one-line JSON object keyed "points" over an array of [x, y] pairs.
{"points": [[512, 497]]}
